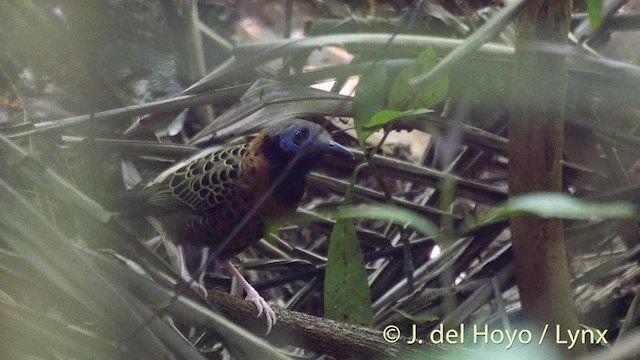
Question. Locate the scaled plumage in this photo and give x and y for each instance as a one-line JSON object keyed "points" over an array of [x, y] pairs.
{"points": [[214, 191], [206, 196]]}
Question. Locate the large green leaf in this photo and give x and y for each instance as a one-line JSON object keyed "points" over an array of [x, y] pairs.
{"points": [[557, 205], [394, 214], [403, 96], [369, 99], [347, 296], [346, 290]]}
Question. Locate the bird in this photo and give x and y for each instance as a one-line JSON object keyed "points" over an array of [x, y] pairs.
{"points": [[203, 198]]}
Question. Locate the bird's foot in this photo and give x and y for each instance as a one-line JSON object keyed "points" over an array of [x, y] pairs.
{"points": [[199, 288], [253, 296], [263, 307], [196, 286], [186, 276]]}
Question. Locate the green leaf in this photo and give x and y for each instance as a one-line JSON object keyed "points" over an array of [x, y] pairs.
{"points": [[594, 8], [369, 99], [557, 205], [403, 96], [394, 214], [385, 116], [346, 289], [347, 296]]}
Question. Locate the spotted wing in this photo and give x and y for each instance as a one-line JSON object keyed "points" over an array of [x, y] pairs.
{"points": [[203, 183]]}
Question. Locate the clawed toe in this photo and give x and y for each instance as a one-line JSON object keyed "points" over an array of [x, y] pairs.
{"points": [[253, 296], [263, 307], [199, 288]]}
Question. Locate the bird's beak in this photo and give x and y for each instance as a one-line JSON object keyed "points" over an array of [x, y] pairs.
{"points": [[338, 150]]}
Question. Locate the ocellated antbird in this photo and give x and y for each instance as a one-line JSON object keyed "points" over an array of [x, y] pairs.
{"points": [[201, 200]]}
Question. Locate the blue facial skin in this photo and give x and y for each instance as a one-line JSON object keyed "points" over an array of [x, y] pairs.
{"points": [[304, 143], [291, 143], [300, 137]]}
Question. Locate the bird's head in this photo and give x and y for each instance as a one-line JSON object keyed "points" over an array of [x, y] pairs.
{"points": [[302, 139]]}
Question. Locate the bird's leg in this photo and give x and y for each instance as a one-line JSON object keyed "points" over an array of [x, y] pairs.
{"points": [[253, 296], [204, 261], [186, 276], [175, 253]]}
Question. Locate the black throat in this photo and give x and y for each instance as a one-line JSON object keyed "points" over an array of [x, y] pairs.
{"points": [[291, 189]]}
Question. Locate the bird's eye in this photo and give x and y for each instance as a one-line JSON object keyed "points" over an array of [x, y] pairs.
{"points": [[300, 136]]}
